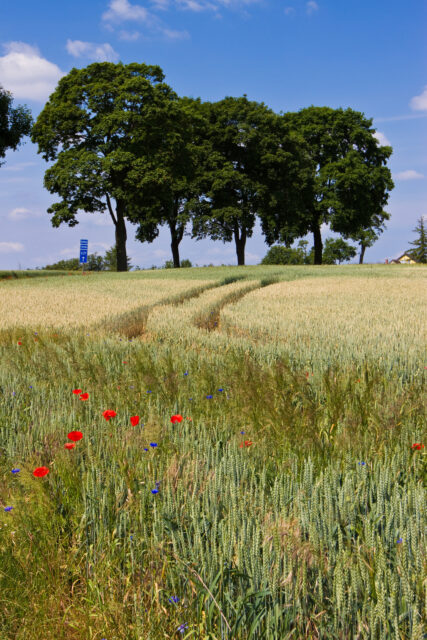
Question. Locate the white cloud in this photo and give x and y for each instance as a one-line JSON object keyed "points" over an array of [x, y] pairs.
{"points": [[120, 10], [384, 142], [288, 11], [11, 247], [410, 174], [98, 52], [419, 103], [25, 73], [20, 213], [129, 36], [408, 117], [311, 7]]}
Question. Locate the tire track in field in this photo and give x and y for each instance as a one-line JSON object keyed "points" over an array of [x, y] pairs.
{"points": [[210, 321], [133, 323]]}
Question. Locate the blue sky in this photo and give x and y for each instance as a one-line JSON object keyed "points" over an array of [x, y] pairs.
{"points": [[369, 56]]}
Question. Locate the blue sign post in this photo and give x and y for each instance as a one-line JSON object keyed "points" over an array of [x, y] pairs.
{"points": [[83, 252]]}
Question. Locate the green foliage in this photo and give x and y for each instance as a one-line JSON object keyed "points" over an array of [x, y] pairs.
{"points": [[286, 255], [420, 252], [184, 263], [349, 181], [14, 123], [337, 251], [89, 127], [244, 141], [109, 261]]}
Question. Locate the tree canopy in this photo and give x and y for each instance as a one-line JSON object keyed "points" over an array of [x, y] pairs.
{"points": [[349, 180], [14, 123], [98, 125], [241, 141]]}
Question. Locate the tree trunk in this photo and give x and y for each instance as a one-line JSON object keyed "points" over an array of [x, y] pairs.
{"points": [[240, 244], [362, 253], [121, 237], [176, 235], [318, 246]]}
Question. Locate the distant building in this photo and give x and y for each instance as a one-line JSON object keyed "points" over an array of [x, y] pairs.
{"points": [[404, 259]]}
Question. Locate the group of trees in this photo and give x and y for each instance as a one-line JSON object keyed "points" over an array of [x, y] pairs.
{"points": [[123, 142]]}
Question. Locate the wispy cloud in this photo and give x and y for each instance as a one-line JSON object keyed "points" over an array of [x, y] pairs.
{"points": [[129, 36], [410, 174], [90, 50], [289, 11], [20, 213], [396, 118], [419, 103], [123, 11], [21, 166], [11, 247], [311, 7], [382, 139], [25, 73]]}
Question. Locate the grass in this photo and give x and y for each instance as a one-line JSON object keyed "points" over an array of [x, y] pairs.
{"points": [[310, 524]]}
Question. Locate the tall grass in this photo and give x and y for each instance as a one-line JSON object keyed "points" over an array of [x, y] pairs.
{"points": [[314, 530]]}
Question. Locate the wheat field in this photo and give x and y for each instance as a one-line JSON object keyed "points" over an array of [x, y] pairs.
{"points": [[263, 477]]}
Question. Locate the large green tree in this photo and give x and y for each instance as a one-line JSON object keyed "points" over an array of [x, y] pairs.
{"points": [[420, 252], [98, 125], [241, 141], [15, 123], [165, 182], [349, 180]]}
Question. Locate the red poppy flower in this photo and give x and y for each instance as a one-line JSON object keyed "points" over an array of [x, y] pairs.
{"points": [[134, 420], [19, 342], [417, 445], [40, 472], [109, 413], [247, 443], [124, 362], [69, 445], [77, 391], [176, 418], [84, 396], [75, 436]]}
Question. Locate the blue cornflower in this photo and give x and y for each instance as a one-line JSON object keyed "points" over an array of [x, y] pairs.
{"points": [[399, 540], [362, 463], [149, 392], [16, 470], [13, 393], [153, 444], [131, 537], [174, 599], [182, 628], [145, 449], [220, 389], [154, 491], [242, 432], [186, 373], [8, 508], [31, 386], [191, 398], [157, 484], [209, 397]]}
